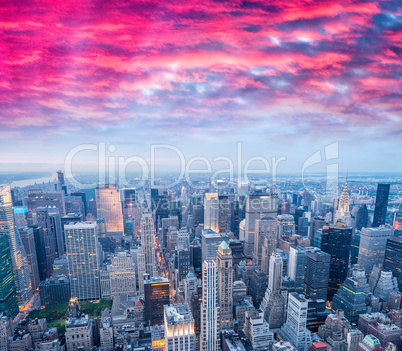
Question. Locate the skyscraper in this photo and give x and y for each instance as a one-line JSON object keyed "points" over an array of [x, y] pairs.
{"points": [[342, 215], [266, 237], [224, 213], [224, 264], [362, 217], [148, 243], [47, 241], [18, 254], [257, 206], [297, 267], [156, 295], [122, 274], [393, 258], [273, 304], [210, 314], [8, 292], [109, 207], [83, 260], [372, 247], [381, 204], [336, 240], [28, 240], [295, 329], [350, 297], [211, 212], [179, 328], [317, 274]]}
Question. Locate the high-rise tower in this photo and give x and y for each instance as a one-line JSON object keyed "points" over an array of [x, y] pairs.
{"points": [[18, 254], [224, 262], [148, 243]]}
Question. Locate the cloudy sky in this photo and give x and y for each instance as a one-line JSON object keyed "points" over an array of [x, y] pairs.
{"points": [[284, 78]]}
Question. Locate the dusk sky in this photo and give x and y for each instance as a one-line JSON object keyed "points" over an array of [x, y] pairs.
{"points": [[285, 78]]}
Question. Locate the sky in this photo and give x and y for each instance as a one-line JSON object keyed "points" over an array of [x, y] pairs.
{"points": [[282, 78]]}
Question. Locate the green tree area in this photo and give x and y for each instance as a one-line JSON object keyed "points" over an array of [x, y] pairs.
{"points": [[60, 325], [56, 312]]}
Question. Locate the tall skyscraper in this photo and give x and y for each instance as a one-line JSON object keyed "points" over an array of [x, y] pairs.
{"points": [[393, 258], [297, 267], [179, 328], [156, 296], [273, 304], [211, 212], [381, 204], [83, 260], [224, 263], [295, 329], [350, 297], [257, 206], [18, 254], [336, 240], [122, 274], [317, 274], [210, 314], [266, 239], [28, 240], [47, 241], [224, 213], [8, 292], [37, 198], [372, 247], [109, 207], [286, 225], [362, 217], [342, 215], [148, 243]]}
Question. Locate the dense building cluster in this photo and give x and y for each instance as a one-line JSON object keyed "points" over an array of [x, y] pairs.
{"points": [[223, 265]]}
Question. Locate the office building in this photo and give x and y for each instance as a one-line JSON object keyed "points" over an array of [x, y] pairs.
{"points": [[257, 206], [47, 244], [122, 274], [257, 286], [37, 198], [297, 267], [273, 304], [317, 274], [362, 218], [224, 265], [393, 258], [6, 330], [8, 292], [256, 331], [108, 205], [106, 331], [381, 205], [60, 267], [286, 225], [210, 243], [18, 254], [148, 243], [295, 329], [53, 291], [28, 240], [336, 241], [210, 314], [83, 260], [351, 296], [372, 247], [179, 328], [161, 209], [266, 239], [156, 293], [211, 212], [79, 329]]}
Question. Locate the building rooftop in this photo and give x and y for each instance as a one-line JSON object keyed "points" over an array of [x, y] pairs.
{"points": [[178, 314]]}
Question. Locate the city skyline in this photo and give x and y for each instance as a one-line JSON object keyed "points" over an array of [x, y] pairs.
{"points": [[201, 77]]}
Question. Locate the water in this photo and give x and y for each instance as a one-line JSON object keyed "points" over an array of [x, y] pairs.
{"points": [[26, 182]]}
